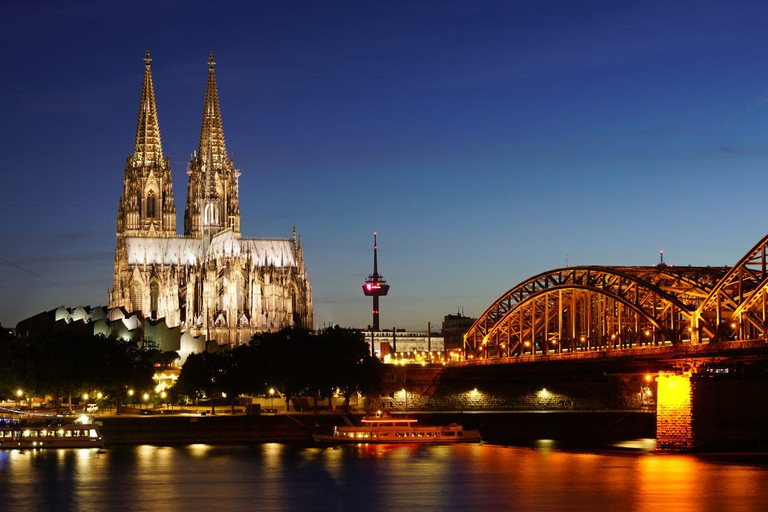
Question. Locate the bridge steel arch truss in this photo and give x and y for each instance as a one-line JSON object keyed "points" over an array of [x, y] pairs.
{"points": [[590, 308], [737, 307]]}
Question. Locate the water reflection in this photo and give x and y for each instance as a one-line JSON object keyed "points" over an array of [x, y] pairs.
{"points": [[644, 445], [275, 477]]}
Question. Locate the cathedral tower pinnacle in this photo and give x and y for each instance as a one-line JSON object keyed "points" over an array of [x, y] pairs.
{"points": [[211, 131], [212, 189], [147, 150], [146, 205]]}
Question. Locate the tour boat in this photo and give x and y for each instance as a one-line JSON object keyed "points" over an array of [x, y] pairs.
{"points": [[386, 429], [73, 435]]}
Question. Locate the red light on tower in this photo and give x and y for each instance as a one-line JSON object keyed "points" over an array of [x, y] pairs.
{"points": [[375, 285]]}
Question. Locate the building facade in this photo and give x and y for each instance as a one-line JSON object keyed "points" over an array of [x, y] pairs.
{"points": [[454, 328], [210, 282], [406, 346]]}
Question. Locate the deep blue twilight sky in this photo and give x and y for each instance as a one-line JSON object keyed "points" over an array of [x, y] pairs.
{"points": [[483, 140]]}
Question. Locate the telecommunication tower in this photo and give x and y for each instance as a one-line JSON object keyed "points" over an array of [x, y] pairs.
{"points": [[375, 285]]}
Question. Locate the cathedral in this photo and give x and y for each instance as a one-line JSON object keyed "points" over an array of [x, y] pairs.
{"points": [[209, 282]]}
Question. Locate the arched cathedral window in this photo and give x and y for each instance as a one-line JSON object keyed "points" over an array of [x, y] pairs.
{"points": [[294, 309], [136, 302], [154, 293], [151, 206], [220, 289], [242, 294], [211, 215]]}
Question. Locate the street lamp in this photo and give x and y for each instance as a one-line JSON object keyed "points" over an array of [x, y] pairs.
{"points": [[19, 394], [271, 398]]}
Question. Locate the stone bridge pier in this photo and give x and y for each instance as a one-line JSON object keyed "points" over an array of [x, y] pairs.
{"points": [[712, 409]]}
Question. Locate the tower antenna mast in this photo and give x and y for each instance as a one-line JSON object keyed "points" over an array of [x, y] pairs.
{"points": [[375, 285]]}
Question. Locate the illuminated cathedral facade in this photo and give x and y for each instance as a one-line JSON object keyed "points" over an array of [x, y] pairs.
{"points": [[210, 282]]}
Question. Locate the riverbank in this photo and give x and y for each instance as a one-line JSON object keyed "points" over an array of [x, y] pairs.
{"points": [[298, 428]]}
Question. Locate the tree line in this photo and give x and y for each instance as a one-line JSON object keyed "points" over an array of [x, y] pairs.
{"points": [[66, 364], [295, 362]]}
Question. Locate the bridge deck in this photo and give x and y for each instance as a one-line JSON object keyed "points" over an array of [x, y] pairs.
{"points": [[672, 356]]}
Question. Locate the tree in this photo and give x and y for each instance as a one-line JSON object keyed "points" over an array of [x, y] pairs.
{"points": [[57, 363], [285, 360], [350, 360], [9, 364], [371, 375], [201, 375], [125, 365], [235, 373]]}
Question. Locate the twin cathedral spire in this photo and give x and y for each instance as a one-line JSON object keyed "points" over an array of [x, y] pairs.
{"points": [[210, 282], [147, 207]]}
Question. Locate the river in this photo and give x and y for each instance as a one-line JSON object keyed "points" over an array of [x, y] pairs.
{"points": [[278, 477]]}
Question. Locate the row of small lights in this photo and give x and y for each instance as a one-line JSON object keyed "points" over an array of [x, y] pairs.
{"points": [[99, 395], [145, 396], [544, 393], [417, 357]]}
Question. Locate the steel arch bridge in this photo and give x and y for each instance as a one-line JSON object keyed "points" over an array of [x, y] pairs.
{"points": [[599, 308]]}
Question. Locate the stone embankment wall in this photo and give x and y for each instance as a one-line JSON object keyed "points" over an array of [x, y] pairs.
{"points": [[416, 389]]}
